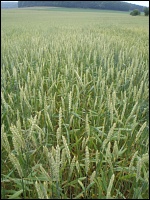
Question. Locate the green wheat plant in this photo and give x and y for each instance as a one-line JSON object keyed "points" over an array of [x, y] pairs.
{"points": [[74, 109]]}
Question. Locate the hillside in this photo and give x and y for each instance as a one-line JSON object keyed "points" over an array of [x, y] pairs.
{"points": [[9, 4], [105, 5]]}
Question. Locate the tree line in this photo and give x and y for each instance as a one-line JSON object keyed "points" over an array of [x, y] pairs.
{"points": [[105, 5]]}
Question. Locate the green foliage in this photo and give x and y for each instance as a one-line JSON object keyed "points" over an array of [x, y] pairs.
{"points": [[135, 12], [146, 11], [106, 5]]}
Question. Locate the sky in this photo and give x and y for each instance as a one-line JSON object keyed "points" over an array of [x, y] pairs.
{"points": [[141, 3]]}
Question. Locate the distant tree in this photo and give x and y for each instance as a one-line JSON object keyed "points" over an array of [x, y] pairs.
{"points": [[146, 11], [135, 12]]}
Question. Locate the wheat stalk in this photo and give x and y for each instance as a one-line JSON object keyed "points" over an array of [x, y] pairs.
{"points": [[66, 148], [45, 189], [132, 111], [60, 119], [111, 132], [18, 140], [140, 132], [108, 195], [139, 166], [63, 104], [39, 191], [87, 126], [97, 157], [70, 100], [115, 151], [72, 166], [111, 112], [132, 160], [123, 111], [92, 177], [109, 156], [52, 166], [63, 154], [5, 142], [87, 159], [49, 121], [79, 78], [16, 164], [57, 164], [140, 91], [44, 172], [77, 166]]}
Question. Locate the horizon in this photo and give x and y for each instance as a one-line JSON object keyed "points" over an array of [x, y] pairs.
{"points": [[140, 3]]}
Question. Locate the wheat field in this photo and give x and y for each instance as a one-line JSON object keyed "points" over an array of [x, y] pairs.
{"points": [[74, 104]]}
